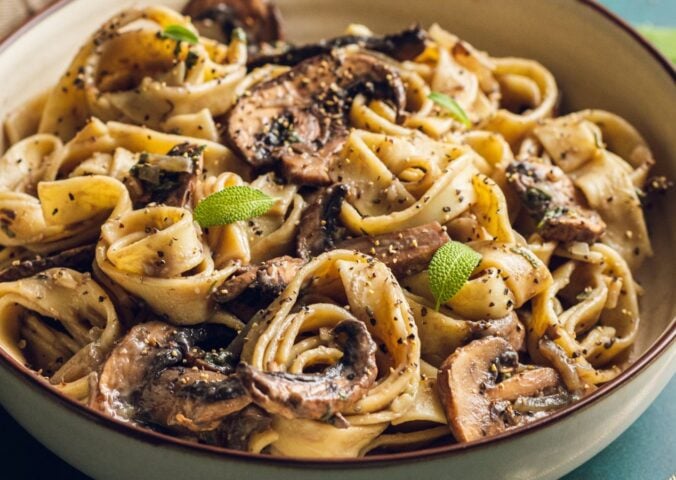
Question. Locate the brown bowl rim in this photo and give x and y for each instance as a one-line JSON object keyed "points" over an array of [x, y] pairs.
{"points": [[659, 347]]}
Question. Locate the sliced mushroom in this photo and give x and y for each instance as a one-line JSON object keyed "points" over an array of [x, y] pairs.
{"points": [[321, 396], [147, 378], [479, 383], [551, 198], [298, 119], [565, 366], [217, 19], [78, 258], [254, 286], [236, 430], [509, 327], [195, 400], [404, 45], [406, 252], [168, 179], [319, 227]]}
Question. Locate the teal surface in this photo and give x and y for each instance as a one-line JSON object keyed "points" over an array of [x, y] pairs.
{"points": [[647, 450]]}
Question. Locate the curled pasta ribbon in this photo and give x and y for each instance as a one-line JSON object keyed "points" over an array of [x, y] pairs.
{"points": [[66, 213], [293, 334], [228, 243], [26, 163], [426, 181], [24, 120], [523, 84], [507, 277], [88, 324], [98, 138], [402, 182], [608, 160], [601, 321], [157, 254], [441, 332], [127, 71], [274, 233]]}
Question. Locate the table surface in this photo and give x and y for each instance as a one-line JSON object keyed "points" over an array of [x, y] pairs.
{"points": [[647, 450]]}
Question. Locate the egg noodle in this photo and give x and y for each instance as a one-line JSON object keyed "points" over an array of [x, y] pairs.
{"points": [[311, 330]]}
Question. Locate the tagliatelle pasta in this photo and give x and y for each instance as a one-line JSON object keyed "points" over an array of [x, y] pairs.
{"points": [[303, 315]]}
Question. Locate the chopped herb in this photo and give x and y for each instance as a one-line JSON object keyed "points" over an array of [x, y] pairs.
{"points": [[537, 198], [450, 105], [551, 214], [180, 34]]}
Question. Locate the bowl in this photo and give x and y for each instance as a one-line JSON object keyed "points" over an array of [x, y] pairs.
{"points": [[598, 61]]}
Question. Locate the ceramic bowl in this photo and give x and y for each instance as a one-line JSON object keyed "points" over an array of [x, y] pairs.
{"points": [[597, 60]]}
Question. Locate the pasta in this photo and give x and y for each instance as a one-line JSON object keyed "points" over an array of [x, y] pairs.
{"points": [[370, 244]]}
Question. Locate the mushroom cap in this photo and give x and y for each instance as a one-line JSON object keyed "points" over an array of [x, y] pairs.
{"points": [[467, 386], [299, 118], [260, 19]]}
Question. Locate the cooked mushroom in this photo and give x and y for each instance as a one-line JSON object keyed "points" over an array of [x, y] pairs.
{"points": [[78, 258], [406, 252], [298, 119], [147, 378], [551, 198], [194, 400], [254, 285], [509, 327], [485, 391], [404, 45], [217, 19], [167, 179], [236, 430], [565, 366], [321, 396], [319, 227]]}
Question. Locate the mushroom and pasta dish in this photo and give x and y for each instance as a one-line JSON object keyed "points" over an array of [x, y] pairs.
{"points": [[373, 243]]}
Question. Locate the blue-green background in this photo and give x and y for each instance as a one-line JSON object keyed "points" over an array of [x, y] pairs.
{"points": [[647, 450]]}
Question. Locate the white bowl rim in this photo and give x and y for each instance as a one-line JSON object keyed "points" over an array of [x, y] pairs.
{"points": [[658, 348]]}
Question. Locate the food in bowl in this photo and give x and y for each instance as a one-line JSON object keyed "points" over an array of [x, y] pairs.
{"points": [[371, 243]]}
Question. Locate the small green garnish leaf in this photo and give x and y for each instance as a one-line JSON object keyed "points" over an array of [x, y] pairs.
{"points": [[180, 34], [449, 104], [450, 269], [232, 204]]}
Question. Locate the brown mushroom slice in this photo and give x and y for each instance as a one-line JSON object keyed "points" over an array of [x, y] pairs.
{"points": [[552, 200], [168, 179], [404, 45], [565, 366], [255, 286], [217, 19], [405, 252], [195, 400], [237, 430], [477, 404], [78, 258], [319, 227], [298, 119], [508, 327], [321, 396], [142, 356]]}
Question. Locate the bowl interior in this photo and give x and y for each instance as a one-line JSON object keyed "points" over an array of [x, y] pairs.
{"points": [[596, 63]]}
